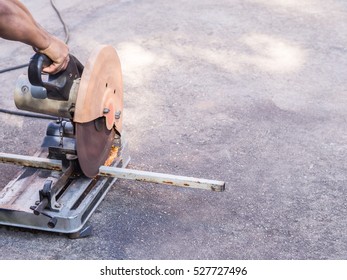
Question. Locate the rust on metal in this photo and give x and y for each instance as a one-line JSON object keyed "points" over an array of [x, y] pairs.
{"points": [[168, 182]]}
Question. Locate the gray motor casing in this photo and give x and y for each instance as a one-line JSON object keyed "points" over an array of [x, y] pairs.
{"points": [[34, 99]]}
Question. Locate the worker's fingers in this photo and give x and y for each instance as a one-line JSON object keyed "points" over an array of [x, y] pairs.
{"points": [[52, 69], [58, 52], [56, 67]]}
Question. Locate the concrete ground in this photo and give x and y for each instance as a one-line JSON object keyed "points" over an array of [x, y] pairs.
{"points": [[252, 92]]}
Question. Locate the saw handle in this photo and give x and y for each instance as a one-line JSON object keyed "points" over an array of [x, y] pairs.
{"points": [[58, 85]]}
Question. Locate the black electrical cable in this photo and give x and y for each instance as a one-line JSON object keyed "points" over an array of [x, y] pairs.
{"points": [[66, 29], [13, 68], [24, 114]]}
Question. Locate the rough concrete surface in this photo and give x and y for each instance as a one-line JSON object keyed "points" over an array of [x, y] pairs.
{"points": [[252, 92]]}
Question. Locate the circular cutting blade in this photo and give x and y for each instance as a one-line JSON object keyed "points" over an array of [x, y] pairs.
{"points": [[93, 144], [100, 90], [98, 112]]}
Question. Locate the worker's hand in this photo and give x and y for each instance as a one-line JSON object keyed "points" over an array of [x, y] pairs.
{"points": [[58, 52]]}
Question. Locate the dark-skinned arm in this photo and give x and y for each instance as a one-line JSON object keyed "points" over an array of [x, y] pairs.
{"points": [[17, 24]]}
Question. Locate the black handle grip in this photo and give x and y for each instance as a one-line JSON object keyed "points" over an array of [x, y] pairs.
{"points": [[58, 85]]}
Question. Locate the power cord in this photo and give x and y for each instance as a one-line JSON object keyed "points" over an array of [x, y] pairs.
{"points": [[24, 114], [29, 115], [66, 29]]}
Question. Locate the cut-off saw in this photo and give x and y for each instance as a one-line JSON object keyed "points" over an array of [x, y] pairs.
{"points": [[83, 152]]}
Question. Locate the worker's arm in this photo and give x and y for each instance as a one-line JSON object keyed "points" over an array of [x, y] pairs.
{"points": [[17, 24]]}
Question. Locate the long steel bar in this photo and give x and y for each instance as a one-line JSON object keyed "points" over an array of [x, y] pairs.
{"points": [[30, 161], [168, 179], [123, 173]]}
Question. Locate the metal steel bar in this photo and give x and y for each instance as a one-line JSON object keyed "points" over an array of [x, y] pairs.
{"points": [[122, 173], [159, 178], [30, 161]]}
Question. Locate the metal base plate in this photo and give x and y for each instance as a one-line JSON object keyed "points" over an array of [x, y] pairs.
{"points": [[77, 201]]}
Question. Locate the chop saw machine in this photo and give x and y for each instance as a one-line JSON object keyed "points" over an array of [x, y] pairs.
{"points": [[83, 152]]}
